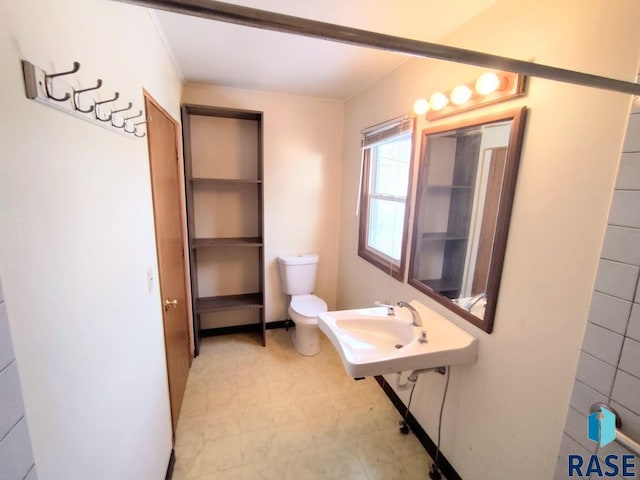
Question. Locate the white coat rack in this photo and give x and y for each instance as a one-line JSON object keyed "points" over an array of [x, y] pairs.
{"points": [[50, 90]]}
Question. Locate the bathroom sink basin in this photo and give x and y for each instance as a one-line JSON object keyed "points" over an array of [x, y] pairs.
{"points": [[370, 342], [373, 333]]}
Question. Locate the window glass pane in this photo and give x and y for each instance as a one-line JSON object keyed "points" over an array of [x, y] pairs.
{"points": [[390, 172], [386, 220]]}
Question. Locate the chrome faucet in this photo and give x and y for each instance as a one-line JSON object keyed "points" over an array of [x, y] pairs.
{"points": [[417, 321], [473, 300], [390, 309]]}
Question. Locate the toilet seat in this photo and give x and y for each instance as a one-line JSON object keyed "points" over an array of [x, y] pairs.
{"points": [[308, 307]]}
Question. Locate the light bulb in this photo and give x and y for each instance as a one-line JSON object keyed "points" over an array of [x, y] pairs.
{"points": [[460, 94], [421, 106], [438, 101], [488, 83]]}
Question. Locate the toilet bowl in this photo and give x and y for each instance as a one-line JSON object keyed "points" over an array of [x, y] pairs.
{"points": [[297, 279], [304, 310]]}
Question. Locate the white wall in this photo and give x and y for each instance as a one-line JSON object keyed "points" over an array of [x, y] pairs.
{"points": [[505, 414], [77, 240], [302, 180]]}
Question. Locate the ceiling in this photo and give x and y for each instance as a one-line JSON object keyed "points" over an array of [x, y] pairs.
{"points": [[206, 51]]}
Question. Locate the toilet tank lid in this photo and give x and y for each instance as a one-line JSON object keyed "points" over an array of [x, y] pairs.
{"points": [[299, 259]]}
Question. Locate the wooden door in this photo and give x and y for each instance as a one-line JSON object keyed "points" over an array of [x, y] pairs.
{"points": [[162, 133]]}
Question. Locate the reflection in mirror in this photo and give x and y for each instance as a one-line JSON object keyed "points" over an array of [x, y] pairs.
{"points": [[465, 190]]}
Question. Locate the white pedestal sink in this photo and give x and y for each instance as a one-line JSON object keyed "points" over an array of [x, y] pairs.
{"points": [[371, 342]]}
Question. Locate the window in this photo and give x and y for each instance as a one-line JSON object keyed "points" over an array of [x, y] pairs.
{"points": [[386, 176]]}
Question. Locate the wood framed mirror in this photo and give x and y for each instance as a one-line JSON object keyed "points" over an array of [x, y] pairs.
{"points": [[466, 183]]}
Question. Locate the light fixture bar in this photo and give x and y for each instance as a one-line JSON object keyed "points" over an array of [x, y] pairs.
{"points": [[506, 86], [252, 17]]}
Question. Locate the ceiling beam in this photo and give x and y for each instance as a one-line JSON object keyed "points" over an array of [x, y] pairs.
{"points": [[252, 17]]}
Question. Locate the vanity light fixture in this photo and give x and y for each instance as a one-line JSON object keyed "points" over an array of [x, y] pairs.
{"points": [[489, 82], [421, 106], [438, 101], [460, 95], [488, 88]]}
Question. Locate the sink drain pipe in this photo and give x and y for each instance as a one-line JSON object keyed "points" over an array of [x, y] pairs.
{"points": [[410, 383], [406, 382], [403, 382]]}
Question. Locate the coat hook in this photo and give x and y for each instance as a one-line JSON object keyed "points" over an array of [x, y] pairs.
{"points": [[76, 96], [126, 119], [118, 111], [108, 119], [135, 129], [48, 77]]}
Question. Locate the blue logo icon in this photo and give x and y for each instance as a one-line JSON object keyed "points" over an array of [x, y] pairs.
{"points": [[601, 426]]}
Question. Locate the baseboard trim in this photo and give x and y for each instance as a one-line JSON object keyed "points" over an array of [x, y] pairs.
{"points": [[213, 332], [279, 324], [252, 327], [172, 464], [445, 467]]}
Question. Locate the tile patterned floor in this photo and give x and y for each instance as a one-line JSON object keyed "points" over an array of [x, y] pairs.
{"points": [[254, 413]]}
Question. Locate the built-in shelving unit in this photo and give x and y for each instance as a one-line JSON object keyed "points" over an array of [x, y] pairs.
{"points": [[224, 190], [446, 203]]}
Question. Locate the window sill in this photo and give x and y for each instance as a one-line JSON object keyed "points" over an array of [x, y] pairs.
{"points": [[382, 263]]}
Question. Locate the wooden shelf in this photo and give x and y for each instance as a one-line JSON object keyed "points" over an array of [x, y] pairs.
{"points": [[226, 242], [443, 236], [448, 187], [442, 285], [229, 302], [223, 112], [228, 181]]}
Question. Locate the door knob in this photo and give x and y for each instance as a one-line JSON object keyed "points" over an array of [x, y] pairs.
{"points": [[170, 303]]}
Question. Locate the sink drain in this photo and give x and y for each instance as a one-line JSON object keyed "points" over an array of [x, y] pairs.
{"points": [[399, 346]]}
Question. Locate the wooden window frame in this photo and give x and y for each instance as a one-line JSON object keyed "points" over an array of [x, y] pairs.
{"points": [[388, 265]]}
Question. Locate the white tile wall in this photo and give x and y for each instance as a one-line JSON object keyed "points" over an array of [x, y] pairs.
{"points": [[632, 138], [625, 208], [6, 347], [619, 242], [630, 359], [626, 391], [633, 330], [602, 343], [629, 172], [584, 396], [616, 278], [609, 312], [575, 429], [594, 372], [16, 456], [10, 398], [609, 366], [32, 475]]}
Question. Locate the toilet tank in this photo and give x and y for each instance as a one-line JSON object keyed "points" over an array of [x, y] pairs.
{"points": [[298, 274]]}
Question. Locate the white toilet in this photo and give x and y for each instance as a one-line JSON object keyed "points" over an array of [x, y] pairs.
{"points": [[298, 278]]}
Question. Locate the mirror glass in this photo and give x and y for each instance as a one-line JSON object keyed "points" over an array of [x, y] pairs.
{"points": [[466, 182]]}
